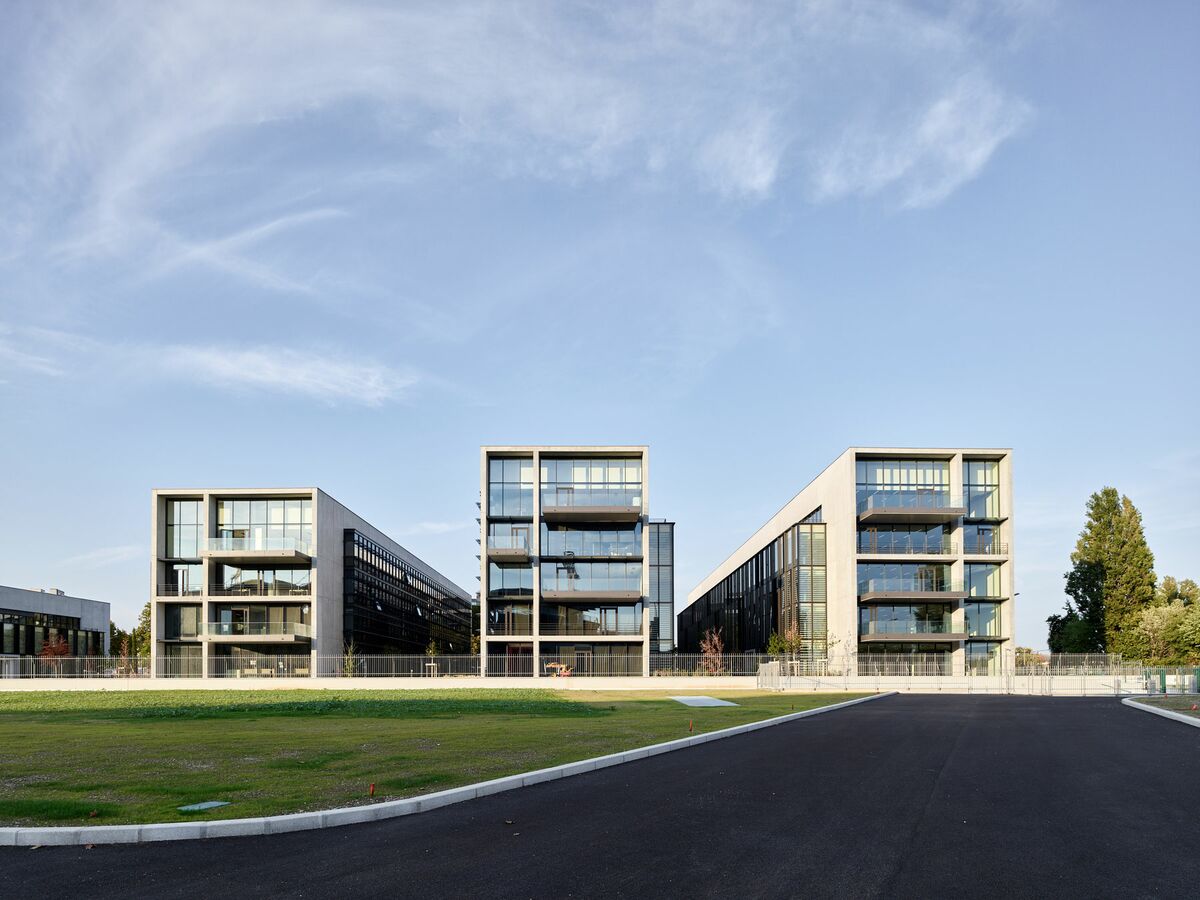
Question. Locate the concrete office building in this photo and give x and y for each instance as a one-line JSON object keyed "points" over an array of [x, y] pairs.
{"points": [[892, 559], [30, 619], [275, 580], [574, 576]]}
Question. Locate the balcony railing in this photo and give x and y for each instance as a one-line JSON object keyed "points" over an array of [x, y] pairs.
{"points": [[945, 548], [178, 590], [590, 628], [907, 586], [508, 542], [901, 500], [943, 626], [510, 629], [229, 544], [261, 590], [993, 548], [585, 497], [592, 585], [258, 629], [606, 549]]}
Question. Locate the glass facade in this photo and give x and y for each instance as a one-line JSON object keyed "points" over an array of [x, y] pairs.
{"points": [[567, 575], [266, 523], [606, 540], [593, 659], [181, 622], [873, 577], [574, 619], [510, 487], [25, 633], [184, 527], [982, 538], [509, 535], [903, 658], [181, 580], [781, 586], [510, 581], [917, 618], [510, 618], [262, 582], [391, 607], [662, 586], [983, 580], [983, 619], [591, 482], [981, 486], [902, 483], [259, 620], [905, 539]]}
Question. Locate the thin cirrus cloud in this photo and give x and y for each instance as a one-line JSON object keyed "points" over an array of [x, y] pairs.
{"points": [[105, 556], [330, 379], [116, 107]]}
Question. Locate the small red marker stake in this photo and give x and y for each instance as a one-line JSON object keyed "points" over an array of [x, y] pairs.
{"points": [[690, 726], [371, 789], [1194, 707]]}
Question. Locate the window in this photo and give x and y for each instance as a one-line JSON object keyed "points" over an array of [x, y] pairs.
{"points": [[264, 582], [874, 577], [983, 658], [510, 581], [591, 576], [184, 524], [904, 539], [983, 580], [980, 538], [182, 622], [591, 482], [908, 483], [983, 619], [597, 540], [510, 487], [267, 523], [981, 485]]}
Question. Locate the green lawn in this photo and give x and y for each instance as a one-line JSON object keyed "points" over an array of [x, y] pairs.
{"points": [[1178, 702], [118, 757]]}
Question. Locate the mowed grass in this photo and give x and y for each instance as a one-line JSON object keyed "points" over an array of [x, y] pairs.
{"points": [[121, 757], [1178, 702]]}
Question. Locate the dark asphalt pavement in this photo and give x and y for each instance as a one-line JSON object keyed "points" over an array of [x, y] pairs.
{"points": [[908, 796]]}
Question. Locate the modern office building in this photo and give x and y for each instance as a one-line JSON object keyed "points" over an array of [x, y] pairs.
{"points": [[29, 620], [891, 559], [273, 580], [575, 578]]}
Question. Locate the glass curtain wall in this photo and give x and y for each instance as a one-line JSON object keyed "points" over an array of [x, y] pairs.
{"points": [[981, 538], [510, 581], [983, 619], [983, 580], [662, 587], [274, 523], [591, 576], [591, 540], [903, 483], [904, 539], [591, 482], [917, 618], [873, 577], [184, 524], [510, 487], [263, 582], [983, 658], [981, 484]]}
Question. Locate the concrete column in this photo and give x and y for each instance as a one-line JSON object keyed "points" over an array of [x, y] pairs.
{"points": [[535, 540], [646, 639]]}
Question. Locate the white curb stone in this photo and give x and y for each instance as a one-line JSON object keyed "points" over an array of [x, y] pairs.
{"points": [[351, 815], [1194, 721]]}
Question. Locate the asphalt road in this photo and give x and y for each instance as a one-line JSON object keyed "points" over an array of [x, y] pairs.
{"points": [[901, 797]]}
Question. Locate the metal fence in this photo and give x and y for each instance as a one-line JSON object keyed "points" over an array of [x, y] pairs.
{"points": [[698, 664]]}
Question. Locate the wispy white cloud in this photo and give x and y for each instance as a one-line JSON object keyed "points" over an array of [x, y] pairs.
{"points": [[105, 556], [117, 111], [313, 372], [927, 155], [13, 356], [330, 379]]}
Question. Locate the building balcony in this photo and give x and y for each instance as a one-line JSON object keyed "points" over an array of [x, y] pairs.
{"points": [[592, 504], [596, 550], [508, 547], [922, 507], [590, 629], [261, 590], [887, 590], [258, 632], [869, 549], [928, 631], [591, 589], [257, 549], [177, 590], [985, 548]]}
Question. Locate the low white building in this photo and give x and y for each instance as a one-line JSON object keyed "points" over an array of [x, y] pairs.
{"points": [[30, 618]]}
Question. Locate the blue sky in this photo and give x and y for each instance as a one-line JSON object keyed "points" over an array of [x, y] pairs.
{"points": [[347, 245]]}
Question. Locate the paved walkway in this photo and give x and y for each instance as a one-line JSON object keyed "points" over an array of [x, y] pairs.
{"points": [[910, 796]]}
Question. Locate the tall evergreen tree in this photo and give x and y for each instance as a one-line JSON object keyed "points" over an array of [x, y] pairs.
{"points": [[1112, 547]]}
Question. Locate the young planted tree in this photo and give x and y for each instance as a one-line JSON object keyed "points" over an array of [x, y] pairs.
{"points": [[712, 650], [140, 636]]}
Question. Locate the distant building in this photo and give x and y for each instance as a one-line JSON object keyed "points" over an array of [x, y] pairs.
{"points": [[271, 580], [29, 619], [898, 557], [575, 578]]}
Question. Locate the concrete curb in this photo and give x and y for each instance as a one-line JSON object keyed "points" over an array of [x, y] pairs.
{"points": [[390, 809], [1194, 721]]}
